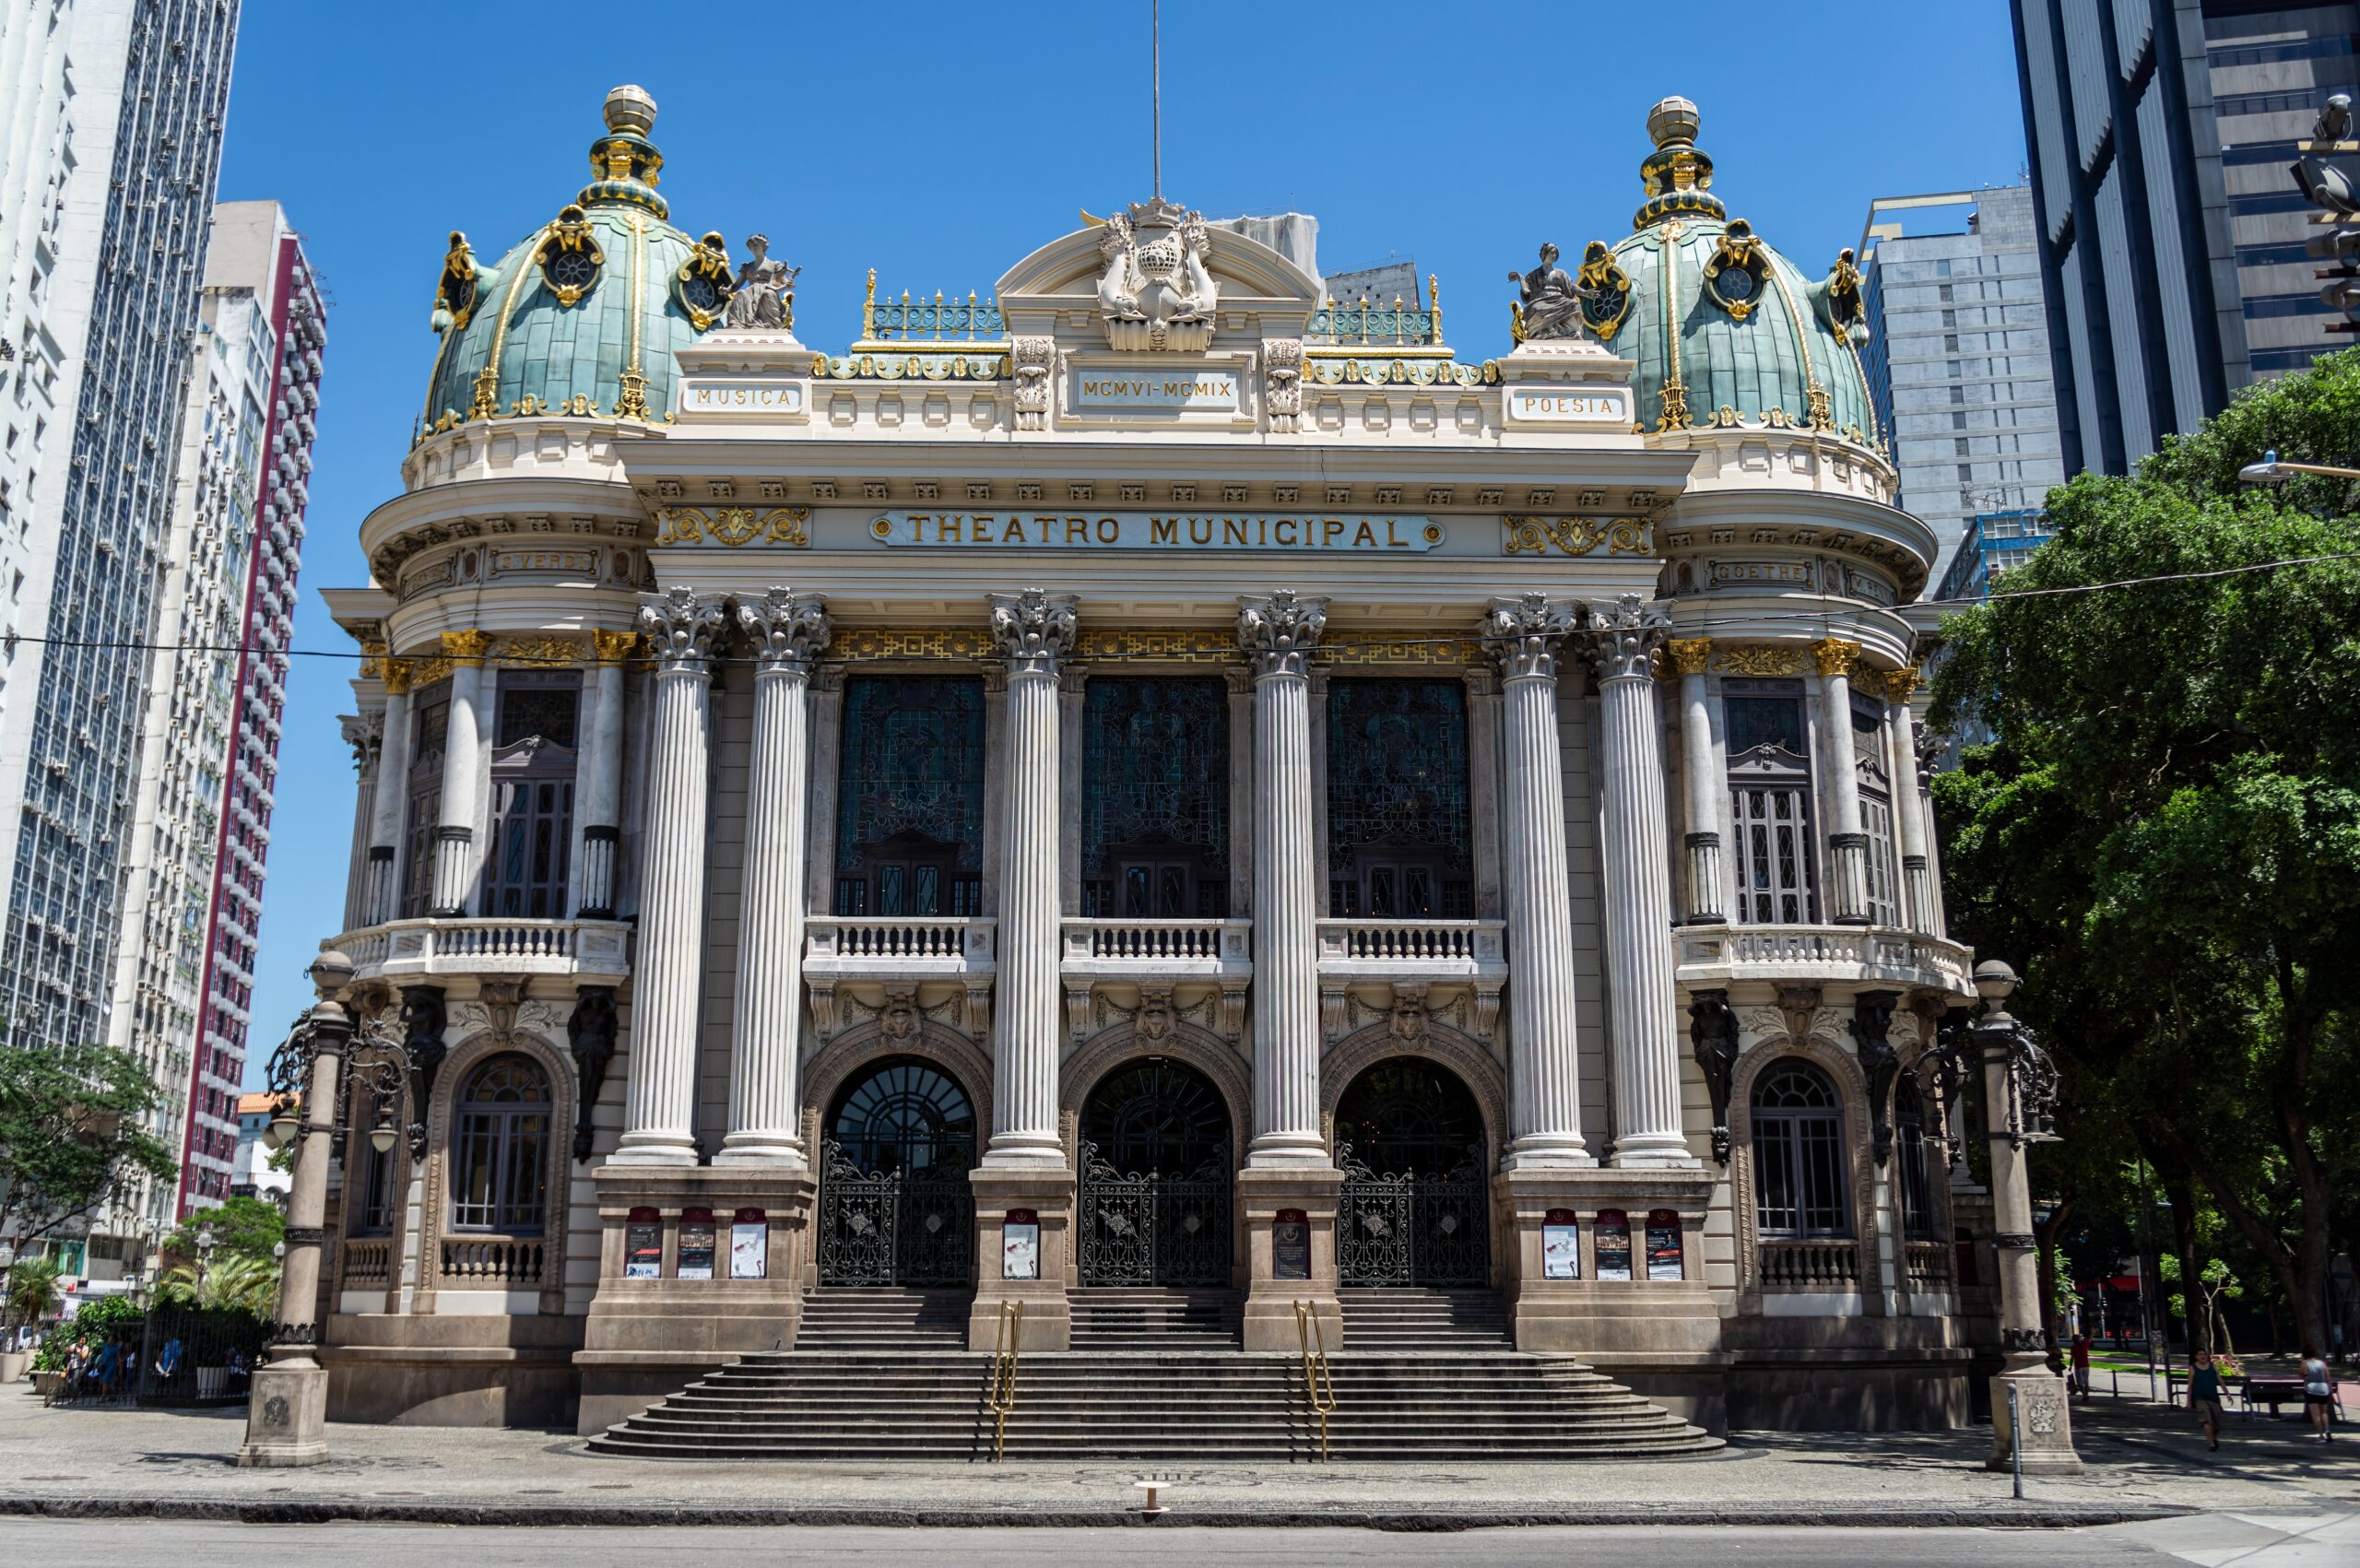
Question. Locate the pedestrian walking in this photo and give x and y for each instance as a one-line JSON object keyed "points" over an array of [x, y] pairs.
{"points": [[2082, 1363], [2318, 1394], [2204, 1397]]}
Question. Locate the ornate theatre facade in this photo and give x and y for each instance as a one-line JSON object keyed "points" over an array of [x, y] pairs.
{"points": [[1152, 780]]}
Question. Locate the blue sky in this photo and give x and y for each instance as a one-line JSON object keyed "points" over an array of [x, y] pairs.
{"points": [[940, 143]]}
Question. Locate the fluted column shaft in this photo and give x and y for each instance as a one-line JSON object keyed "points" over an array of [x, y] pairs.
{"points": [[392, 798], [1637, 889], [1278, 634], [1909, 812], [1544, 1068], [602, 774], [787, 633], [1847, 846], [660, 1097], [1033, 630], [1707, 890], [455, 835]]}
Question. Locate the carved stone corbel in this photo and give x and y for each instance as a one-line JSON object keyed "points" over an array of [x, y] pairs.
{"points": [[1156, 1014], [1410, 1017], [1078, 1012], [1487, 1011], [1799, 1005], [1232, 1021], [1332, 1012], [1713, 1035], [824, 1010], [1871, 1021], [900, 1019], [979, 1011], [590, 1036]]}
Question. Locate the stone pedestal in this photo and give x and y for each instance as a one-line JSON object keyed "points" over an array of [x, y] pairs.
{"points": [[2047, 1416], [645, 1339], [1264, 1194], [1048, 1192], [286, 1419]]}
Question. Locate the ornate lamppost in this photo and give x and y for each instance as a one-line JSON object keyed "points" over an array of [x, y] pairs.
{"points": [[2031, 1417], [286, 1412]]}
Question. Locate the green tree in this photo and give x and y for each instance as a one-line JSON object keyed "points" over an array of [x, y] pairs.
{"points": [[2168, 823], [72, 1134], [236, 1283], [242, 1227], [30, 1290]]}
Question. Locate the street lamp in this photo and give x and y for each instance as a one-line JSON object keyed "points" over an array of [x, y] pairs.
{"points": [[205, 1244], [2276, 470]]}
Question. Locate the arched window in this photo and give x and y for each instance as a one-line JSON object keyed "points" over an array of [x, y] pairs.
{"points": [[1911, 1152], [1798, 1153], [500, 1154]]}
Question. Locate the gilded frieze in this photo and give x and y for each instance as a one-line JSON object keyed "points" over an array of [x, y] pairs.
{"points": [[734, 525], [1759, 659], [1579, 536], [894, 643]]}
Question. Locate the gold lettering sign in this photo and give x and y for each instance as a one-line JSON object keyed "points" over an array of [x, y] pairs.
{"points": [[1254, 531]]}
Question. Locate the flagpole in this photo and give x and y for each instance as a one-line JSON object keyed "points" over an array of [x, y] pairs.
{"points": [[1156, 24]]}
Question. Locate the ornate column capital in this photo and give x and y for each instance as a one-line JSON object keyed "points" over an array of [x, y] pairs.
{"points": [[789, 630], [1690, 655], [1835, 655], [1623, 636], [398, 676], [682, 626], [1278, 632], [365, 733], [1900, 684], [1522, 635], [1032, 631], [613, 647], [466, 649]]}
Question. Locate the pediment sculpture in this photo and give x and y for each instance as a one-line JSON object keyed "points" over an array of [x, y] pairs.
{"points": [[1155, 283]]}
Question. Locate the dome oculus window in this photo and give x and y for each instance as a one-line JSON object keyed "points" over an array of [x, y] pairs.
{"points": [[571, 259], [1737, 273]]}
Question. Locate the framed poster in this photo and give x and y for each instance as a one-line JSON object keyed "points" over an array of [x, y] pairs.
{"points": [[1613, 1245], [1291, 1245], [1560, 1246], [1019, 1245], [695, 1258], [1663, 1245], [643, 1244], [749, 1245]]}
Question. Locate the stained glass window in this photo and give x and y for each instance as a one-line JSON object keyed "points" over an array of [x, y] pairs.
{"points": [[1155, 799], [910, 813], [1798, 1153], [1398, 834]]}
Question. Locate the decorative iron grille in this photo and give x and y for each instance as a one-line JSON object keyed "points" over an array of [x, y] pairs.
{"points": [[1413, 1228], [1153, 1228], [894, 1227]]}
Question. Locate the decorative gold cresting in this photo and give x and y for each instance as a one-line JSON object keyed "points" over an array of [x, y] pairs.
{"points": [[1689, 656], [466, 649], [1835, 655], [1762, 660]]}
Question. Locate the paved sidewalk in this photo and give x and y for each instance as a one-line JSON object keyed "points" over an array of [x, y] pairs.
{"points": [[2144, 1461]]}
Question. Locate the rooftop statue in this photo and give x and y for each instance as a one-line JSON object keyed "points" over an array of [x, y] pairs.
{"points": [[763, 295], [1552, 304]]}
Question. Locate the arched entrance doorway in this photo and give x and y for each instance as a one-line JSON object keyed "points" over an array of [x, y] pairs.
{"points": [[895, 1204], [1416, 1205], [1155, 1175]]}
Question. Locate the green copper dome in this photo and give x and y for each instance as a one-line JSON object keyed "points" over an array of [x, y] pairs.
{"points": [[1722, 328], [584, 315]]}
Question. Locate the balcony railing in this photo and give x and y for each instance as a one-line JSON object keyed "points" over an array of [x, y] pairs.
{"points": [[506, 947], [844, 945], [1176, 949], [1830, 1264], [368, 1261], [1928, 1265], [1713, 955], [1418, 949], [483, 1262]]}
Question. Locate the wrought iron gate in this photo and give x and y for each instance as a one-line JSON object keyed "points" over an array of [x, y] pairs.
{"points": [[893, 1227], [1154, 1230], [1412, 1227]]}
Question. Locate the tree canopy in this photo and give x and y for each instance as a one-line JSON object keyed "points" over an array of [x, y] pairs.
{"points": [[242, 1227], [73, 1133], [2165, 826]]}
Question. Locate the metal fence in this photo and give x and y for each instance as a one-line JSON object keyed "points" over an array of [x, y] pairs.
{"points": [[189, 1356]]}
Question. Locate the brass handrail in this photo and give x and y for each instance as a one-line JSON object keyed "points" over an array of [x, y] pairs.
{"points": [[1318, 1382], [1001, 1395]]}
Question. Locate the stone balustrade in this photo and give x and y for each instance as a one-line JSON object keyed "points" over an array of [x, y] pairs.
{"points": [[913, 945], [1928, 1265], [1832, 1264], [1716, 955], [368, 1260], [484, 1262], [404, 950], [1178, 949], [1413, 949]]}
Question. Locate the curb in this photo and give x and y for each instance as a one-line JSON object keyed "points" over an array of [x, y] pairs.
{"points": [[293, 1511]]}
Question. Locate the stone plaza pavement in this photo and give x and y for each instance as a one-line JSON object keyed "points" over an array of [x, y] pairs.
{"points": [[2144, 1461]]}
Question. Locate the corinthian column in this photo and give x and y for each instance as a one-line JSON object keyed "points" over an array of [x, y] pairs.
{"points": [[462, 750], [602, 773], [1847, 846], [787, 633], [1278, 634], [1544, 1103], [1908, 815], [1032, 631], [391, 800], [1689, 657], [661, 1094], [1623, 638]]}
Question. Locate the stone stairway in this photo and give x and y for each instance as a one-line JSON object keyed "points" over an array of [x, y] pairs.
{"points": [[1143, 1318], [883, 1319], [1401, 1318], [1194, 1405]]}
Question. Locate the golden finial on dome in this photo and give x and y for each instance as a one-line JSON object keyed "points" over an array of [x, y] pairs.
{"points": [[1672, 122], [631, 110], [1677, 175]]}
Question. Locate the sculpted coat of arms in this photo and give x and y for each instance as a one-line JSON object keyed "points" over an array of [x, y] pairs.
{"points": [[1155, 286]]}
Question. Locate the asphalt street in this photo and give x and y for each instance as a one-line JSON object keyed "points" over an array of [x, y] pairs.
{"points": [[2308, 1539]]}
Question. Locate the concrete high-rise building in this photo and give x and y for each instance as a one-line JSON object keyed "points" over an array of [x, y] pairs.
{"points": [[1957, 357], [151, 80], [2171, 235], [216, 682]]}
